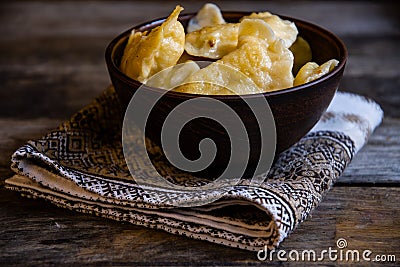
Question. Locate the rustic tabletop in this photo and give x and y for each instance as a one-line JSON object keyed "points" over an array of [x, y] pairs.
{"points": [[52, 64]]}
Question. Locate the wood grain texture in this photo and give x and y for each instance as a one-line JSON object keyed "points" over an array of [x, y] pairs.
{"points": [[64, 47], [52, 63], [378, 161], [52, 235]]}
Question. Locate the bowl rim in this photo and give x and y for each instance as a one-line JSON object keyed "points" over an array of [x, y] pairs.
{"points": [[330, 35]]}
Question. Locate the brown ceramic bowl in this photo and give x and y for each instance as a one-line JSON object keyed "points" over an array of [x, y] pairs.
{"points": [[296, 110]]}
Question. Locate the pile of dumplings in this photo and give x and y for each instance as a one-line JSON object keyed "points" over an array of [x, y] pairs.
{"points": [[260, 53]]}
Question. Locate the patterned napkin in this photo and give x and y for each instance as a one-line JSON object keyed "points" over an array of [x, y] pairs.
{"points": [[80, 166]]}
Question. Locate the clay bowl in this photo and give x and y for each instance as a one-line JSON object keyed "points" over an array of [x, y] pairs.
{"points": [[295, 110]]}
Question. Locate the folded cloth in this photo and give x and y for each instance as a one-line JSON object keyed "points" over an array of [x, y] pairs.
{"points": [[80, 166]]}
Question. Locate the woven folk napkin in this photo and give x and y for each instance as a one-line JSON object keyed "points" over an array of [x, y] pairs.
{"points": [[80, 166]]}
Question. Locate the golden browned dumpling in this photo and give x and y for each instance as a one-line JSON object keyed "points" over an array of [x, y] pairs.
{"points": [[146, 55], [260, 53], [302, 53], [208, 15], [284, 29], [311, 71], [212, 41]]}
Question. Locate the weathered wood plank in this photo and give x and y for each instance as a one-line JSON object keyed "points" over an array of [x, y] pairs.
{"points": [[366, 217], [108, 18], [69, 58], [378, 161]]}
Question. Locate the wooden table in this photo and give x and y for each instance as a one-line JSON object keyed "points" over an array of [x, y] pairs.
{"points": [[52, 64]]}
